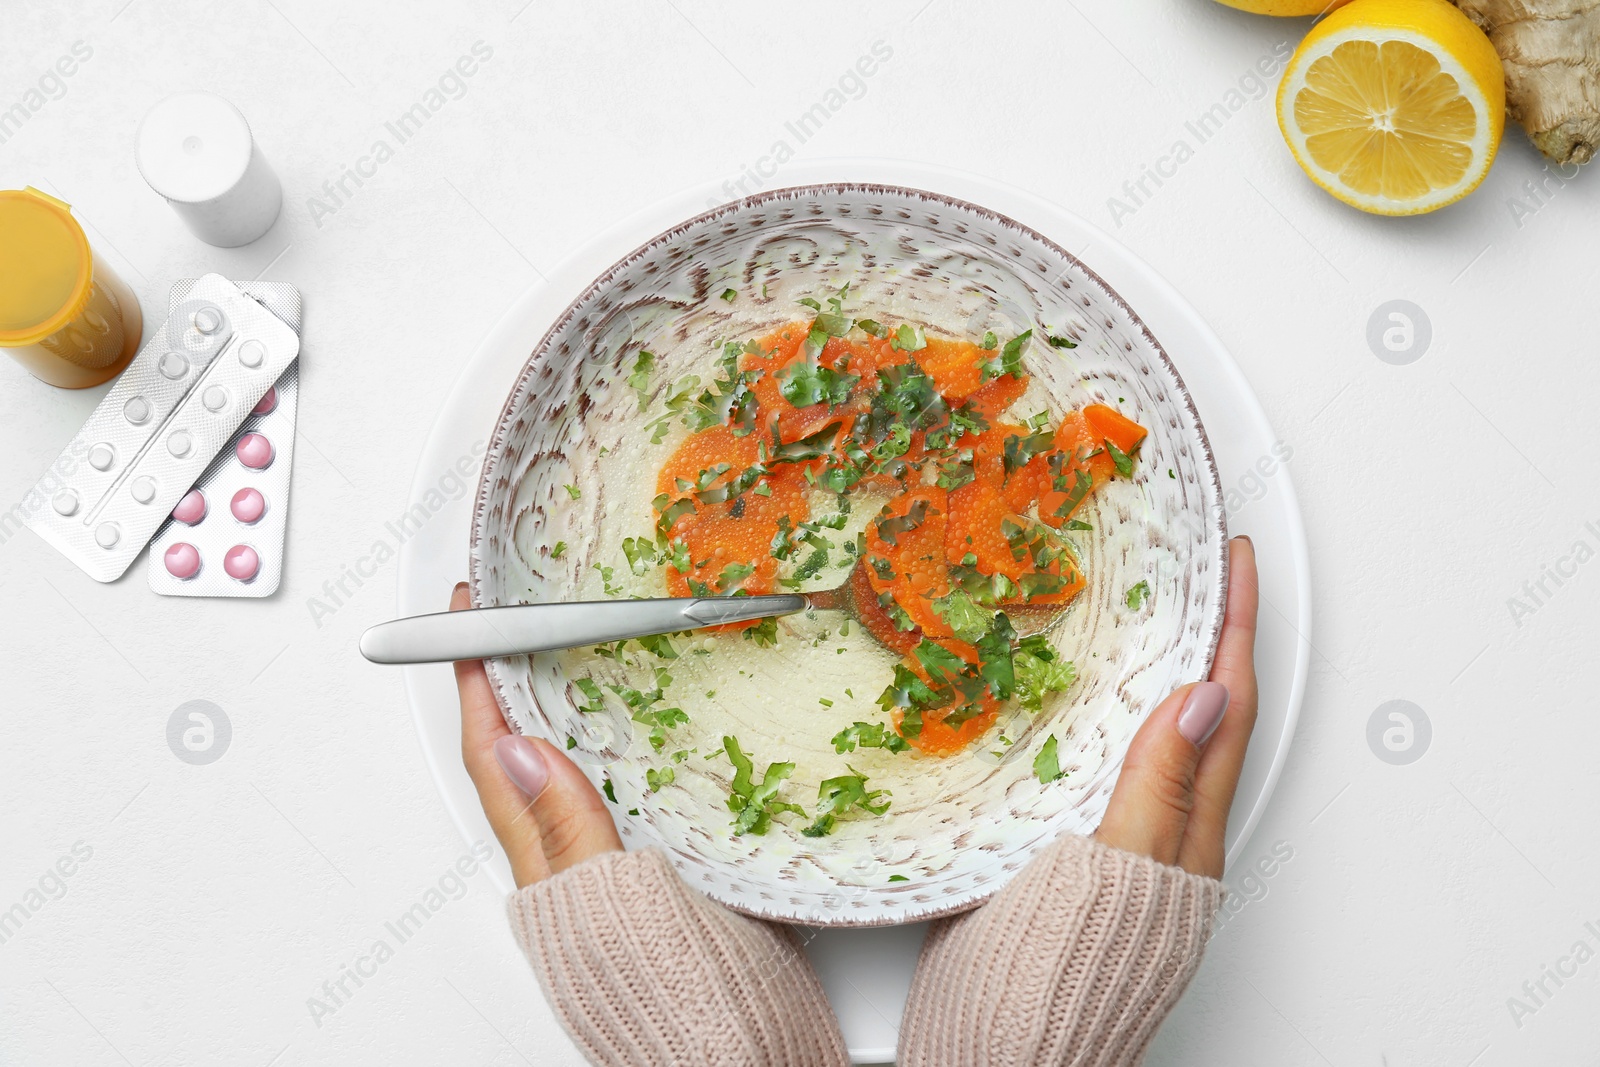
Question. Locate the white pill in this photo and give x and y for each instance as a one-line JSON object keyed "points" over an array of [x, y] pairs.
{"points": [[207, 320], [107, 534], [179, 443], [65, 502], [101, 457], [215, 398], [136, 410], [143, 489], [174, 365], [252, 353]]}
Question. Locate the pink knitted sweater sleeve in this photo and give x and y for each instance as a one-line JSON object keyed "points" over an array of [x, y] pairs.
{"points": [[1076, 961], [641, 969]]}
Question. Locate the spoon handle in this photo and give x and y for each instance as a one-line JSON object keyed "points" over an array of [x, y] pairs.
{"points": [[513, 631]]}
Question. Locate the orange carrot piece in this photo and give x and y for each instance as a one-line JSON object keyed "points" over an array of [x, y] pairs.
{"points": [[875, 619], [738, 533], [700, 454], [977, 512], [936, 738], [994, 399], [915, 555], [955, 367], [1108, 424], [1076, 450]]}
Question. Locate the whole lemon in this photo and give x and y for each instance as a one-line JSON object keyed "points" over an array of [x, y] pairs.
{"points": [[1285, 7]]}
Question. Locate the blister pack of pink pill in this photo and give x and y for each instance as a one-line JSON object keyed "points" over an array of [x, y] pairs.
{"points": [[157, 430], [225, 537]]}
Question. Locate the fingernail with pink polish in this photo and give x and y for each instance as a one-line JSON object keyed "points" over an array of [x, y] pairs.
{"points": [[525, 767], [1201, 714]]}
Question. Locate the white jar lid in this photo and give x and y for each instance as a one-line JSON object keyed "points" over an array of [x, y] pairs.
{"points": [[193, 147]]}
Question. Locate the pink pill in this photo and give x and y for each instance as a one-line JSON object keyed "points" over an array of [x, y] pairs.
{"points": [[182, 560], [267, 403], [248, 505], [254, 451], [241, 562], [191, 509]]}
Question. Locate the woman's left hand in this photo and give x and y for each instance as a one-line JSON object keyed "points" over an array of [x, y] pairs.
{"points": [[1171, 802], [545, 813]]}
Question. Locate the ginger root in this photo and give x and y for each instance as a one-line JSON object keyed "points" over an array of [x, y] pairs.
{"points": [[1551, 52]]}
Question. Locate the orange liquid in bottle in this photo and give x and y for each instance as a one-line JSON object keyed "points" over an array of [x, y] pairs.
{"points": [[65, 315]]}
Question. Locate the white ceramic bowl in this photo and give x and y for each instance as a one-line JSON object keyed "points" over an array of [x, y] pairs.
{"points": [[960, 826]]}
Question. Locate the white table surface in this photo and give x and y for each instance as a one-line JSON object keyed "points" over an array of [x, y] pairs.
{"points": [[216, 900]]}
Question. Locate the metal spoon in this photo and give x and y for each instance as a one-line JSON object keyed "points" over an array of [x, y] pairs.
{"points": [[484, 633]]}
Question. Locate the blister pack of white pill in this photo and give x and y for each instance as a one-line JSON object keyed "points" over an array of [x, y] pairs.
{"points": [[168, 415], [225, 537]]}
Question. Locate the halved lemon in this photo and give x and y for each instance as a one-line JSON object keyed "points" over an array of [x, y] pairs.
{"points": [[1394, 106]]}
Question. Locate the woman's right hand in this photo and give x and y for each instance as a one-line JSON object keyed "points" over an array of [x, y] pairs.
{"points": [[545, 813]]}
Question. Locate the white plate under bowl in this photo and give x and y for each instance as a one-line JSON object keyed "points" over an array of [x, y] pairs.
{"points": [[867, 972]]}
